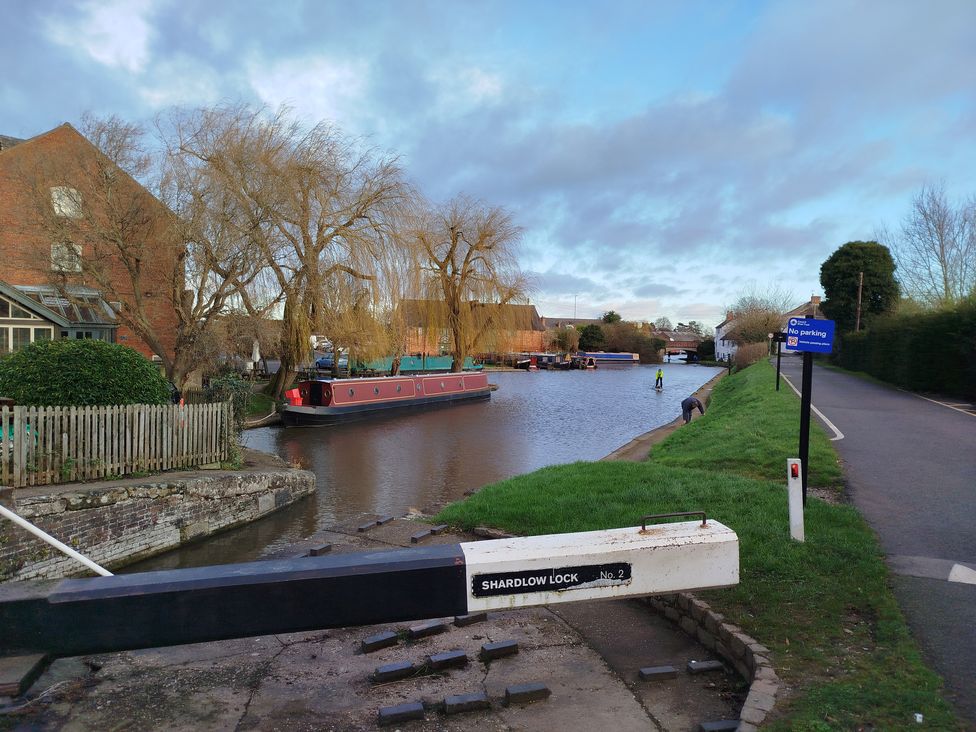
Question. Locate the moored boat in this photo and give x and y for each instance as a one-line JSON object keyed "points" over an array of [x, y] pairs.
{"points": [[327, 401], [603, 357]]}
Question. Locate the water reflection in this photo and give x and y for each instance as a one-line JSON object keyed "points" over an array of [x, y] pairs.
{"points": [[430, 458]]}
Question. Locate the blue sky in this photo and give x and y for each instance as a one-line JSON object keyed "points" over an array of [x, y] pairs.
{"points": [[662, 158]]}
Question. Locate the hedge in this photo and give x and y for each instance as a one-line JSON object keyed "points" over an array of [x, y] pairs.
{"points": [[934, 352], [71, 372]]}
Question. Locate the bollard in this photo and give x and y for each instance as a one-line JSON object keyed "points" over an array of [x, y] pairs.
{"points": [[794, 490]]}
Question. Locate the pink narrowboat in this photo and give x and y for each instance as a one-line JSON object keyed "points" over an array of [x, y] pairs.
{"points": [[327, 401]]}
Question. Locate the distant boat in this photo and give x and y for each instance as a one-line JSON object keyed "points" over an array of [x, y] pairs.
{"points": [[602, 357], [330, 401]]}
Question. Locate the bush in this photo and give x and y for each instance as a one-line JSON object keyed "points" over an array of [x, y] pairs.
{"points": [[749, 353], [923, 352], [230, 386], [80, 373]]}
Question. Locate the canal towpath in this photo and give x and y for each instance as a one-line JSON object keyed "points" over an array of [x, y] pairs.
{"points": [[911, 472]]}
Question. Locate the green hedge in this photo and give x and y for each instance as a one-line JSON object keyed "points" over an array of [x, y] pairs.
{"points": [[80, 373], [933, 352]]}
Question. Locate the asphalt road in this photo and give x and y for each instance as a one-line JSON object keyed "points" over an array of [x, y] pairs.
{"points": [[910, 464]]}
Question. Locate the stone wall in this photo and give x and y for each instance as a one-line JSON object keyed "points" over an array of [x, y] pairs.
{"points": [[743, 653], [119, 522]]}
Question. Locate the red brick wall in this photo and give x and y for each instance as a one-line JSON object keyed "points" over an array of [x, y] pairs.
{"points": [[25, 244]]}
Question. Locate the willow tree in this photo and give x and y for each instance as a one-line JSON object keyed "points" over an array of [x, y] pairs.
{"points": [[469, 274], [321, 211]]}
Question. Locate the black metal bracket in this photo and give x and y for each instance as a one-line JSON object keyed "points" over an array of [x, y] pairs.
{"points": [[645, 519]]}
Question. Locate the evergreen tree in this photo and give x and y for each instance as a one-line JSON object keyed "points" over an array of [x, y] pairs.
{"points": [[839, 276]]}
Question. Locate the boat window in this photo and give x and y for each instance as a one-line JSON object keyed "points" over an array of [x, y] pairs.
{"points": [[352, 392], [398, 388], [376, 390], [442, 385]]}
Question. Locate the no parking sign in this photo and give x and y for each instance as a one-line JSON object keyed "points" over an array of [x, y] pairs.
{"points": [[809, 334]]}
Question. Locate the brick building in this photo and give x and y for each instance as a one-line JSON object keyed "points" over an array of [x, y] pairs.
{"points": [[46, 292], [520, 329]]}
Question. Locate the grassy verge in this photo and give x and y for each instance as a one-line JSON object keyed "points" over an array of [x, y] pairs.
{"points": [[260, 405], [824, 607]]}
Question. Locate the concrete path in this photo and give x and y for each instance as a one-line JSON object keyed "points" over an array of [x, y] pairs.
{"points": [[910, 464]]}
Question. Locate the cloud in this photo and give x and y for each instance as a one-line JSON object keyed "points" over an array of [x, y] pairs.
{"points": [[317, 87], [115, 33], [655, 289], [181, 80], [559, 283]]}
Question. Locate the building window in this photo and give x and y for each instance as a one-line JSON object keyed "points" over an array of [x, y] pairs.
{"points": [[66, 201], [13, 338], [66, 257], [22, 338], [12, 310]]}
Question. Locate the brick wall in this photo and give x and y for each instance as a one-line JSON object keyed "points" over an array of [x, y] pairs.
{"points": [[25, 242], [120, 522]]}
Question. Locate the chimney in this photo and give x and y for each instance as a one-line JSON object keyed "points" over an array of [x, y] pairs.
{"points": [[815, 299], [728, 315]]}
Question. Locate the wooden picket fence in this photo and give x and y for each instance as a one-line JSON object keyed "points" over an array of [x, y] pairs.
{"points": [[45, 445]]}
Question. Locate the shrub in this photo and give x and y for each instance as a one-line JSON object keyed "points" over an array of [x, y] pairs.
{"points": [[80, 373], [230, 386], [922, 352], [749, 353]]}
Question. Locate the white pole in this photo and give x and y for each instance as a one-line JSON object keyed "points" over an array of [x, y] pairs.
{"points": [[794, 490], [54, 542]]}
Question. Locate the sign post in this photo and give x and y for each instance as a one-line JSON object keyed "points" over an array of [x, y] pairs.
{"points": [[809, 336], [779, 339]]}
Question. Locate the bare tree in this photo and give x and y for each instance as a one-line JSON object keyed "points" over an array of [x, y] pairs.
{"points": [[470, 274], [168, 259], [757, 313], [663, 323], [936, 248], [319, 210]]}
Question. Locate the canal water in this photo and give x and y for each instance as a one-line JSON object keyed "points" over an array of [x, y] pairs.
{"points": [[426, 459]]}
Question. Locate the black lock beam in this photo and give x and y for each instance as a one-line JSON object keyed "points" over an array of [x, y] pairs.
{"points": [[105, 614]]}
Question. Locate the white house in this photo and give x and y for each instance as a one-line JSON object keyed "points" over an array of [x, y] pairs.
{"points": [[725, 346]]}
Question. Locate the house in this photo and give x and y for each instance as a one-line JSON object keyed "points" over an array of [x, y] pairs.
{"points": [[725, 342], [577, 323], [809, 309], [46, 291], [519, 327]]}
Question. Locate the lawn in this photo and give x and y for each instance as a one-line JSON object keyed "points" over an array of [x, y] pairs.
{"points": [[823, 607]]}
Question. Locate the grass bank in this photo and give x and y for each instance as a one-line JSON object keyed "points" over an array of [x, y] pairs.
{"points": [[824, 607]]}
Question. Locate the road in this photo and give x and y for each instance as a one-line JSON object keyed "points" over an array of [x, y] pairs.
{"points": [[910, 464]]}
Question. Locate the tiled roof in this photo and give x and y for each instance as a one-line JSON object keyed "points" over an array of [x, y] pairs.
{"points": [[417, 313], [7, 141]]}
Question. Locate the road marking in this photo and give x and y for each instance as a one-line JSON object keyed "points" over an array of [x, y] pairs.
{"points": [[838, 435], [942, 404], [962, 573]]}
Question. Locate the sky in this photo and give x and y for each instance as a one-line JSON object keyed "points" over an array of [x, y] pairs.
{"points": [[662, 158]]}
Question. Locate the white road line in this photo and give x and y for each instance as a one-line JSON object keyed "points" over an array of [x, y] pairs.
{"points": [[936, 401], [962, 573], [838, 435]]}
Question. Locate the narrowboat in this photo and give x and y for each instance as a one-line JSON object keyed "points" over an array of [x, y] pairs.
{"points": [[328, 401], [603, 358]]}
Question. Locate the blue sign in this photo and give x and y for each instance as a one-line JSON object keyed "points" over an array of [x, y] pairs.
{"points": [[809, 334]]}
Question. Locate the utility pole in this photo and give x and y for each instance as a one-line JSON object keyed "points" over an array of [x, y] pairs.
{"points": [[860, 286]]}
